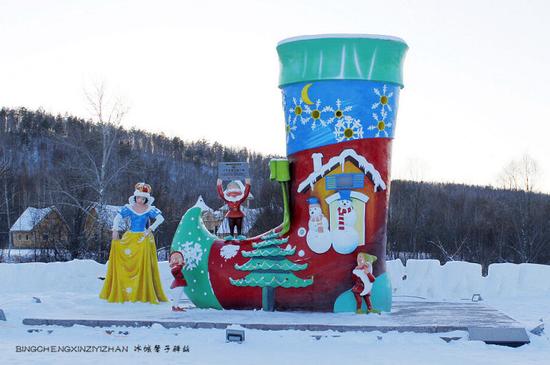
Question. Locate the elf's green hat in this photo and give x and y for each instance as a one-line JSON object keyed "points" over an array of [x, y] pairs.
{"points": [[367, 257]]}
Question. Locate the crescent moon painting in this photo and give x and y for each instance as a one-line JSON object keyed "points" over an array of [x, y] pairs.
{"points": [[305, 96]]}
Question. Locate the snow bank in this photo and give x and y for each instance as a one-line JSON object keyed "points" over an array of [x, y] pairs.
{"points": [[504, 279], [418, 278], [457, 280], [460, 280], [71, 276], [421, 278]]}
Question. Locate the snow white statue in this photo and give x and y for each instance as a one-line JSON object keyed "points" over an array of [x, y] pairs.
{"points": [[132, 273]]}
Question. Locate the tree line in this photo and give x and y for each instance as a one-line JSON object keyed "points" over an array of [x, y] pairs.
{"points": [[72, 163], [471, 223]]}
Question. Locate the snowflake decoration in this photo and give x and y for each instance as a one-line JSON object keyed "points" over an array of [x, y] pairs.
{"points": [[381, 125], [229, 251], [192, 252], [348, 129], [316, 114], [383, 99], [339, 112], [297, 111], [290, 128]]}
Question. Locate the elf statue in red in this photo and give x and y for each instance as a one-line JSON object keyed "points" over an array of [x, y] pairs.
{"points": [[363, 280], [234, 196], [176, 266]]}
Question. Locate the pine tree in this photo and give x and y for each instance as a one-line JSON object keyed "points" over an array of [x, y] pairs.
{"points": [[271, 269]]}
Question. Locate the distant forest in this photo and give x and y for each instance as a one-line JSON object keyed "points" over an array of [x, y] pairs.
{"points": [[71, 163]]}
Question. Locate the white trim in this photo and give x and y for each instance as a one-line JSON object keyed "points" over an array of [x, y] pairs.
{"points": [[332, 198], [131, 207], [150, 200], [354, 194], [359, 196], [343, 36]]}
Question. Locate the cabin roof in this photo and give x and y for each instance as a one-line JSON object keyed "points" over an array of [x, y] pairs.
{"points": [[348, 154], [201, 204], [30, 218]]}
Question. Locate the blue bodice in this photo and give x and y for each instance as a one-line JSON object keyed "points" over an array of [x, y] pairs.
{"points": [[138, 222]]}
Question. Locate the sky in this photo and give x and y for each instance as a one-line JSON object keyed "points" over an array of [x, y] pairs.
{"points": [[476, 74]]}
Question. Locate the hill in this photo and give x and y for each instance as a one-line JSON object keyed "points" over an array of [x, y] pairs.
{"points": [[57, 160]]}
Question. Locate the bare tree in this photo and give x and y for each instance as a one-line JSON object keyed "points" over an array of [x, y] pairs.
{"points": [[520, 174], [5, 170], [108, 114], [91, 169], [416, 169], [452, 255]]}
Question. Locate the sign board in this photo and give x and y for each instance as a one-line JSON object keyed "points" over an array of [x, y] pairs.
{"points": [[345, 182], [233, 170]]}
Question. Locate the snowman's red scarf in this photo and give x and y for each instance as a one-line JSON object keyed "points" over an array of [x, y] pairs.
{"points": [[341, 215]]}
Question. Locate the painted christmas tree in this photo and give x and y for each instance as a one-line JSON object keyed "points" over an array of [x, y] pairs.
{"points": [[269, 269]]}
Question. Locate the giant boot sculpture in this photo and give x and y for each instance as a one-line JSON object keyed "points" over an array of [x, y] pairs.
{"points": [[340, 98]]}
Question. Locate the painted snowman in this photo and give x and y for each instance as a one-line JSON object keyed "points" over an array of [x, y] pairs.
{"points": [[318, 235], [345, 238]]}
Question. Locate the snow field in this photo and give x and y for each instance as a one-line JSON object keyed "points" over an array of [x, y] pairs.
{"points": [[520, 290], [266, 347]]}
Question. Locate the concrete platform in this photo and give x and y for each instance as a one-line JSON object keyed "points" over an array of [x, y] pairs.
{"points": [[406, 316]]}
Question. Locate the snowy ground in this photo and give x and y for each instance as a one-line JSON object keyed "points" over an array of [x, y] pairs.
{"points": [[69, 289]]}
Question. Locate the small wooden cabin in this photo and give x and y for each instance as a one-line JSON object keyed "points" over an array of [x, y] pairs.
{"points": [[39, 228]]}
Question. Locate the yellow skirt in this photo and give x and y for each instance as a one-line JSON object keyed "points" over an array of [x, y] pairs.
{"points": [[133, 273]]}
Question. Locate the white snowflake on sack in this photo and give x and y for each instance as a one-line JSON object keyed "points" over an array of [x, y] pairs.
{"points": [[316, 115], [229, 251], [348, 129], [383, 99], [381, 124], [192, 253]]}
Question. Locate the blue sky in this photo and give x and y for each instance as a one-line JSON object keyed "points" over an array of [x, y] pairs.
{"points": [[476, 75]]}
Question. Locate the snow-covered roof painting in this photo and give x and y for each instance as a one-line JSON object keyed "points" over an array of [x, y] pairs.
{"points": [[320, 170], [201, 204], [30, 218]]}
